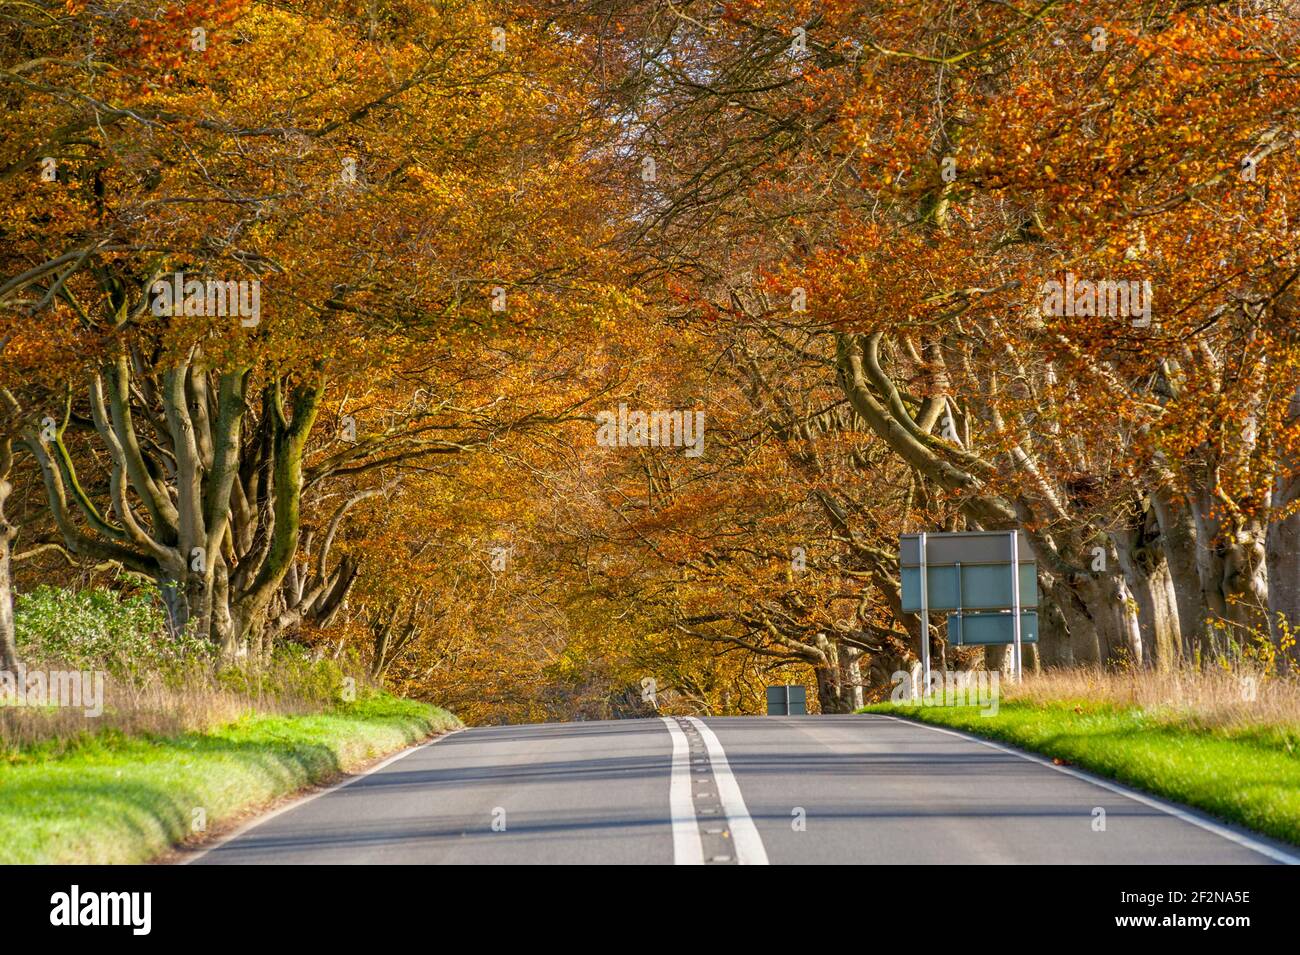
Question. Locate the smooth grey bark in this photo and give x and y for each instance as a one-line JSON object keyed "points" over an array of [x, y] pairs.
{"points": [[853, 676], [1130, 628], [838, 673], [998, 658], [1053, 636], [1116, 621], [316, 594], [1178, 542], [8, 641], [1146, 572], [1282, 549], [1157, 616], [1085, 643], [1234, 578], [831, 689]]}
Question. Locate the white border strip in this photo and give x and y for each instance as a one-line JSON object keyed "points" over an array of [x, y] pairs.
{"points": [[1277, 855], [687, 847], [744, 834], [255, 822]]}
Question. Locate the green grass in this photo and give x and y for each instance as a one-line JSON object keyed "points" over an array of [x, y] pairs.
{"points": [[119, 799], [1246, 776]]}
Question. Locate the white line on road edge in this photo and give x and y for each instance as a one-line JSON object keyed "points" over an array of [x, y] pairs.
{"points": [[687, 847], [1277, 855], [744, 835], [257, 821]]}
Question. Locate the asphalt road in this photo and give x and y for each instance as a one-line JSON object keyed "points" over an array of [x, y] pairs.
{"points": [[748, 790]]}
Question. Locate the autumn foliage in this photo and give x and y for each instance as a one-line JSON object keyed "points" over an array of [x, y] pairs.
{"points": [[936, 265]]}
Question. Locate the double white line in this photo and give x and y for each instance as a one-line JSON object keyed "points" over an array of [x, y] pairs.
{"points": [[687, 847]]}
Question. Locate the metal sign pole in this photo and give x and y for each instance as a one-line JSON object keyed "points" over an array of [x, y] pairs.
{"points": [[925, 620], [960, 600], [1015, 598]]}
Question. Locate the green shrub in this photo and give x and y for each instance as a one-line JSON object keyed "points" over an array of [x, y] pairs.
{"points": [[126, 635], [292, 670]]}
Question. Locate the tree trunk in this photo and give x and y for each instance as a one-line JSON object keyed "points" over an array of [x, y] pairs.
{"points": [[1234, 579], [288, 449], [1130, 628], [999, 658], [8, 642], [1178, 540], [1282, 549], [1098, 618], [853, 677], [1085, 645], [1157, 616], [1119, 626], [177, 610], [1283, 558], [223, 522], [1053, 636], [833, 692], [1147, 574]]}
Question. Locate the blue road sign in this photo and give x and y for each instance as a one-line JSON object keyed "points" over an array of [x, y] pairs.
{"points": [[989, 629]]}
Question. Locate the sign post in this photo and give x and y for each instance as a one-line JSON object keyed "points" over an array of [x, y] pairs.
{"points": [[1015, 598], [925, 620], [977, 574]]}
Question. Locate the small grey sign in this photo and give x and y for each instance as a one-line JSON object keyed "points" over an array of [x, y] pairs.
{"points": [[787, 700]]}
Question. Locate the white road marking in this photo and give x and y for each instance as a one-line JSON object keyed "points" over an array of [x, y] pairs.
{"points": [[1277, 855], [267, 817], [744, 834], [687, 848]]}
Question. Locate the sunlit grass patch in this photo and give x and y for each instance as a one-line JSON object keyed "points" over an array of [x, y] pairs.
{"points": [[113, 798], [1241, 772]]}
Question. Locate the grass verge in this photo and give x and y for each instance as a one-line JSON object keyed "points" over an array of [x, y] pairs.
{"points": [[1245, 775], [113, 798]]}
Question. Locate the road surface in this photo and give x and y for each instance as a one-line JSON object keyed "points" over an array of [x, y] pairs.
{"points": [[743, 790]]}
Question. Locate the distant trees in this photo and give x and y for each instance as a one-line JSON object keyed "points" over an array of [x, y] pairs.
{"points": [[892, 193]]}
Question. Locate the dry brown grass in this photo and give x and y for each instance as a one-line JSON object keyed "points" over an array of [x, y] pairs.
{"points": [[192, 701], [1211, 699]]}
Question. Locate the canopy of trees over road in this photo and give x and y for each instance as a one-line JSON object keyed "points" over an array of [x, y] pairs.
{"points": [[939, 265]]}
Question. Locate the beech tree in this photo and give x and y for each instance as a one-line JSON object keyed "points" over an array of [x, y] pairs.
{"points": [[307, 313], [362, 216]]}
